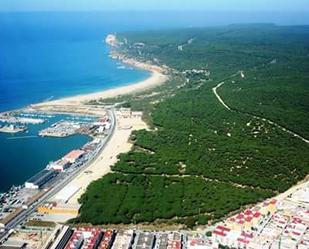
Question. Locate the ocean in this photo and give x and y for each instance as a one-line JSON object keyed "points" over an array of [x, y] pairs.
{"points": [[44, 57]]}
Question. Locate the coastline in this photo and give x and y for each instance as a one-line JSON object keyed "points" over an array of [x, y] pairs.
{"points": [[156, 78], [119, 142], [75, 105]]}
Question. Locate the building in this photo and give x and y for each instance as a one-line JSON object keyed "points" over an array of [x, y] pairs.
{"points": [[125, 112], [136, 114], [107, 240], [63, 238], [55, 209], [41, 178], [74, 155], [66, 193], [220, 235], [85, 237], [162, 241], [124, 240], [60, 165], [174, 241], [144, 240], [196, 243], [14, 244]]}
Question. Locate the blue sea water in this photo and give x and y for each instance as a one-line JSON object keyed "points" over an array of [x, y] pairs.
{"points": [[48, 56], [24, 154], [45, 57]]}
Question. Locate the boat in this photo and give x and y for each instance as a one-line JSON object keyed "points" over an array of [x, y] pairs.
{"points": [[12, 129]]}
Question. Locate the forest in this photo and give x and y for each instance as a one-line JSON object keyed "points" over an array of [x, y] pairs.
{"points": [[201, 161]]}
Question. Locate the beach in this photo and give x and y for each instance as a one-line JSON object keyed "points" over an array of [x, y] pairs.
{"points": [[126, 122], [119, 142], [157, 78]]}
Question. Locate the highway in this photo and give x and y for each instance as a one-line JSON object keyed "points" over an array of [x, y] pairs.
{"points": [[55, 189]]}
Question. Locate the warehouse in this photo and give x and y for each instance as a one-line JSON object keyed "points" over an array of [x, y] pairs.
{"points": [[38, 180], [74, 155], [66, 193], [60, 165]]}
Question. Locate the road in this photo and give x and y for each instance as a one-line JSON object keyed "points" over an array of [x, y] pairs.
{"points": [[290, 132], [27, 212]]}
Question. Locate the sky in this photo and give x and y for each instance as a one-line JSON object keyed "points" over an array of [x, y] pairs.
{"points": [[179, 5]]}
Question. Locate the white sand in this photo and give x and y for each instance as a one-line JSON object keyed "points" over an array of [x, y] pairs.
{"points": [[108, 157], [119, 141], [156, 79]]}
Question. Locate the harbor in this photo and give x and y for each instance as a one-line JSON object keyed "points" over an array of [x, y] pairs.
{"points": [[21, 201]]}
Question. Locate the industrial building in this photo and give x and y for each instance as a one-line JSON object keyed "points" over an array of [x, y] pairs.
{"points": [[66, 193], [60, 165], [55, 209], [41, 178], [14, 245], [63, 238], [74, 155]]}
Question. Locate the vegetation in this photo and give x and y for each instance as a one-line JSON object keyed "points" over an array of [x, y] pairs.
{"points": [[202, 161], [167, 197]]}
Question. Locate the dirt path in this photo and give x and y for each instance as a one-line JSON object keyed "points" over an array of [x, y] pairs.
{"points": [[257, 117]]}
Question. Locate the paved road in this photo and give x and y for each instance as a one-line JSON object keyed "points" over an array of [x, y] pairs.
{"points": [[27, 212]]}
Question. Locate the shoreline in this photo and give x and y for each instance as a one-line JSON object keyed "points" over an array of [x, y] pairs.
{"points": [[71, 105], [158, 76], [155, 79]]}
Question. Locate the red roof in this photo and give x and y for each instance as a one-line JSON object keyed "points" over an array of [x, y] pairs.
{"points": [[223, 228], [74, 154], [248, 212], [248, 219], [241, 222], [240, 216], [220, 233], [242, 240], [257, 214], [232, 219], [247, 235], [197, 242]]}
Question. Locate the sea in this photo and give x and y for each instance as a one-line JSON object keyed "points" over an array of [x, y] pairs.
{"points": [[43, 57], [49, 55]]}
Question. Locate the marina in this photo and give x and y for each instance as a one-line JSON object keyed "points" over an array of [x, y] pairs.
{"points": [[12, 118], [12, 129], [18, 201], [25, 138]]}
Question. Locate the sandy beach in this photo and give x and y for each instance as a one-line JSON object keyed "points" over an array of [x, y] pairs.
{"points": [[119, 142], [157, 77], [154, 80]]}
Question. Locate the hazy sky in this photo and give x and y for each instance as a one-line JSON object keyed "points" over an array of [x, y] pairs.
{"points": [[204, 5]]}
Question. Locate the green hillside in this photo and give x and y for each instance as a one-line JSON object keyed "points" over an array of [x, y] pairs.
{"points": [[202, 160]]}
